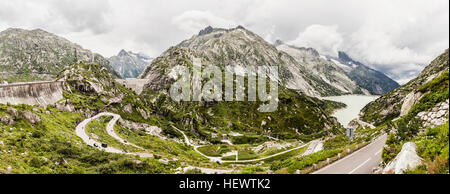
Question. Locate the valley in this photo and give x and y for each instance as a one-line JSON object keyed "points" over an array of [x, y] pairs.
{"points": [[88, 118]]}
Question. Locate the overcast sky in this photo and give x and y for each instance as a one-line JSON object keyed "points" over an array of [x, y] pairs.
{"points": [[398, 37]]}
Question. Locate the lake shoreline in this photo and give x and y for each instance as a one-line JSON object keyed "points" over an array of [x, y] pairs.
{"points": [[355, 103]]}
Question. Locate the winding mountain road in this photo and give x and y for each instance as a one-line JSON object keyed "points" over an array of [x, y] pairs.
{"points": [[359, 162], [80, 130], [219, 159]]}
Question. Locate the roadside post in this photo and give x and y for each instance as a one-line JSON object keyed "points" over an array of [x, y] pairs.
{"points": [[350, 133]]}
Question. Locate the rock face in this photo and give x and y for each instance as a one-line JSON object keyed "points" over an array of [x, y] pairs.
{"points": [[129, 64], [406, 159], [409, 101], [38, 93], [236, 49], [31, 55], [374, 81], [322, 69]]}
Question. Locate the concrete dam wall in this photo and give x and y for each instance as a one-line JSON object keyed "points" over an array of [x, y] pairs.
{"points": [[32, 93], [137, 85]]}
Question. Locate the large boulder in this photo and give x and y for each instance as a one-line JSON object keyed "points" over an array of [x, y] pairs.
{"points": [[406, 159]]}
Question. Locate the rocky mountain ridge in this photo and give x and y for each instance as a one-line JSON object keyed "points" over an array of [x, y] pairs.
{"points": [[367, 78], [129, 64], [298, 115], [30, 55], [322, 69], [234, 50]]}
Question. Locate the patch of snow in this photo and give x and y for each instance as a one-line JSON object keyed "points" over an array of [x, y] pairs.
{"points": [[346, 68]]}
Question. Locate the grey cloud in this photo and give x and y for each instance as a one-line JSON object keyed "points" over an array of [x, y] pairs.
{"points": [[82, 15], [394, 36]]}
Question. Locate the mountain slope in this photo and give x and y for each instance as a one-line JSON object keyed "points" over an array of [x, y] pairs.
{"points": [[374, 81], [29, 55], [432, 82], [298, 116], [417, 113], [129, 64], [240, 48], [44, 139], [322, 69]]}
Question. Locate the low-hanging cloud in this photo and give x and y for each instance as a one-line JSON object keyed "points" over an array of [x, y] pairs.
{"points": [[326, 39], [82, 15], [58, 16], [193, 20], [398, 37]]}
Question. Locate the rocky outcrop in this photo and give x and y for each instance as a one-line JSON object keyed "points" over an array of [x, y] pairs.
{"points": [[65, 106], [409, 101], [37, 93], [33, 118], [128, 108], [436, 116], [406, 159], [7, 120], [13, 112], [90, 78], [143, 113]]}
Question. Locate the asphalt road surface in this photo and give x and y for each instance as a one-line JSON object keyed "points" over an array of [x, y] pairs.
{"points": [[360, 162], [81, 132]]}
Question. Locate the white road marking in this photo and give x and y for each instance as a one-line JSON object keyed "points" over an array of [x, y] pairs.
{"points": [[348, 156], [359, 166], [378, 152]]}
